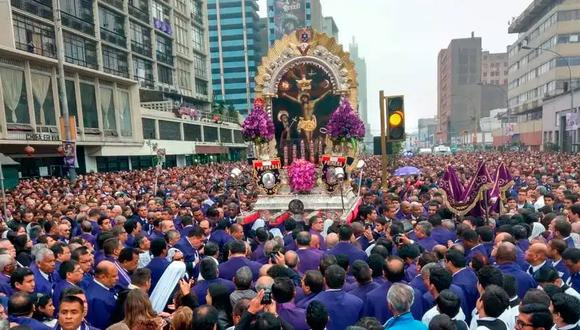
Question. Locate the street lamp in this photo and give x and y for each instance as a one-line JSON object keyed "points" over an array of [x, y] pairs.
{"points": [[562, 133]]}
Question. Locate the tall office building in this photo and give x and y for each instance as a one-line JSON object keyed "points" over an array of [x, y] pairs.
{"points": [[329, 27], [463, 97], [128, 66], [361, 76], [285, 16], [548, 40], [234, 30]]}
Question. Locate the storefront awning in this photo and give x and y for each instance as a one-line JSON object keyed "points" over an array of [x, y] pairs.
{"points": [[211, 150]]}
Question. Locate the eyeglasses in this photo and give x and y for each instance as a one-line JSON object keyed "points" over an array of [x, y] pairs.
{"points": [[521, 324]]}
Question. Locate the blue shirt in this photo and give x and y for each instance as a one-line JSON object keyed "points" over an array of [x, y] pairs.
{"points": [[404, 322]]}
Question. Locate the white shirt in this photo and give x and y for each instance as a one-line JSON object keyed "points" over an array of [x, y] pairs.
{"points": [[535, 268], [427, 317], [506, 317]]}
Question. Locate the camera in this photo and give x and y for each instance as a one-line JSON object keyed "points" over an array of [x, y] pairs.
{"points": [[267, 299], [398, 239]]}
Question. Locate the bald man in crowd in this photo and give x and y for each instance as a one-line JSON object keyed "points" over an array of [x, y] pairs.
{"points": [[506, 262], [537, 257], [101, 297]]}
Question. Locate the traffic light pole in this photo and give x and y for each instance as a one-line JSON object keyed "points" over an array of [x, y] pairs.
{"points": [[383, 140]]}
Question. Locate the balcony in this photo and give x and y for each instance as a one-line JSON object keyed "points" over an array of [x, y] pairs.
{"points": [[165, 58], [113, 37], [48, 49], [41, 8], [77, 23], [122, 71], [139, 14], [88, 61], [141, 49], [179, 112], [115, 3]]}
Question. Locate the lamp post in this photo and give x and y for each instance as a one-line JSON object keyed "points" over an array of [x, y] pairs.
{"points": [[562, 133]]}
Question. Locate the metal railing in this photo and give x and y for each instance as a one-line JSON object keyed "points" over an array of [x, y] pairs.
{"points": [[138, 13], [113, 37], [140, 48], [77, 23], [114, 3], [169, 106], [41, 8]]}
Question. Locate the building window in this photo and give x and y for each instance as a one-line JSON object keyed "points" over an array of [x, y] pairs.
{"points": [[192, 132], [89, 106], [112, 27], [169, 130], [201, 86], [80, 51], [197, 12], [198, 38], [15, 97], [115, 62], [569, 15], [43, 100], [181, 6], [125, 114], [71, 99], [149, 131], [139, 9], [226, 135], [164, 50], [140, 39], [78, 14], [160, 12], [143, 71], [200, 66], [34, 37], [184, 75], [181, 36], [210, 134], [108, 109], [165, 75]]}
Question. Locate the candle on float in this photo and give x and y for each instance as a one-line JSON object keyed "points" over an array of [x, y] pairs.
{"points": [[302, 149], [294, 151], [286, 155], [311, 151]]}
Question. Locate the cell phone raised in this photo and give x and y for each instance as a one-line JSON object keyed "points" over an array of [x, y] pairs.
{"points": [[267, 299]]}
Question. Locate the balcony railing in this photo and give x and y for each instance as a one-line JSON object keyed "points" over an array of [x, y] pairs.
{"points": [[41, 8], [141, 49], [122, 71], [114, 3], [88, 61], [113, 37], [165, 58], [47, 49], [202, 116], [139, 14], [77, 23]]}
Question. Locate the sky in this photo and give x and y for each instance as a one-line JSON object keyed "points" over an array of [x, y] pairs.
{"points": [[400, 40]]}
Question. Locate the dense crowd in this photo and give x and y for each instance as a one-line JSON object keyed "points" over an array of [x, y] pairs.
{"points": [[168, 250]]}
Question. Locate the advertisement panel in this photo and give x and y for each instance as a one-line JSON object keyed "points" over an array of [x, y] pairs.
{"points": [[289, 15]]}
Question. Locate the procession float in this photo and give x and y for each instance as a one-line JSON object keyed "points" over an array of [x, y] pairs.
{"points": [[304, 128]]}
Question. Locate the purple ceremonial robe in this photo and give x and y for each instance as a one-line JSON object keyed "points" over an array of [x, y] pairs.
{"points": [[570, 241], [292, 314], [220, 237], [304, 300], [410, 271], [344, 309], [189, 252], [466, 279], [289, 243], [59, 287], [563, 271], [200, 288], [228, 269], [349, 283], [376, 304], [29, 322], [352, 252], [548, 263], [380, 280], [523, 244], [418, 284], [43, 285], [5, 285], [185, 230], [361, 290], [99, 256], [89, 238], [442, 235], [575, 281], [427, 243], [258, 254], [525, 280], [157, 266], [320, 238], [429, 302], [102, 304], [309, 259], [521, 259], [478, 249], [130, 241]]}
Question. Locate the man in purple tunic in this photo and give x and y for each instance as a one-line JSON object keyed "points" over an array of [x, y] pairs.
{"points": [[506, 262], [344, 246], [363, 275], [312, 285], [463, 277], [237, 259], [309, 258], [316, 226], [283, 292], [344, 309], [423, 234]]}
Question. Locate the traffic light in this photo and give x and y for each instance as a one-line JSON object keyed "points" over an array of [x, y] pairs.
{"points": [[395, 118]]}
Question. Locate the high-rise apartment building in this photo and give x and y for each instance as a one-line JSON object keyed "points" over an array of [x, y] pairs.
{"points": [[329, 27], [494, 68], [548, 41], [234, 31], [129, 66], [463, 95], [285, 16]]}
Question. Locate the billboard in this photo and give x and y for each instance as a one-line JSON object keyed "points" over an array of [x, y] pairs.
{"points": [[289, 15]]}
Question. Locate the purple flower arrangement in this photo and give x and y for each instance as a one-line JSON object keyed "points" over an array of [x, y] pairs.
{"points": [[344, 124], [302, 176], [258, 126]]}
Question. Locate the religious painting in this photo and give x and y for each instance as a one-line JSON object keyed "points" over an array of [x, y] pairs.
{"points": [[301, 111], [289, 15]]}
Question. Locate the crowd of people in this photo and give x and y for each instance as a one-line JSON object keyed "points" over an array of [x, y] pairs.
{"points": [[147, 250]]}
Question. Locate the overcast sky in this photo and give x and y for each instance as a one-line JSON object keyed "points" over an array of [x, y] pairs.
{"points": [[400, 40]]}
